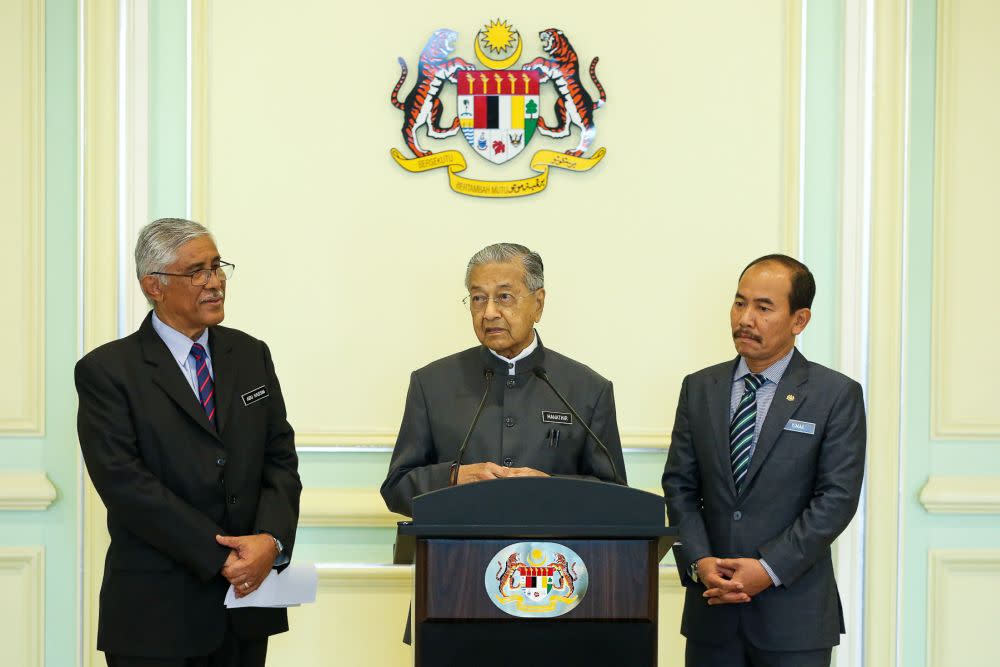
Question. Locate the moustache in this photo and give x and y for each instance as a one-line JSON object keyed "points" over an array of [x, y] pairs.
{"points": [[213, 294], [747, 334]]}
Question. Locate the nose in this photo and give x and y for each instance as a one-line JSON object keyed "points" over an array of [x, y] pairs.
{"points": [[746, 317], [492, 310], [214, 281]]}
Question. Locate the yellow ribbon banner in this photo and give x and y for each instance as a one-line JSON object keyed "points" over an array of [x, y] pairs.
{"points": [[535, 609], [540, 162]]}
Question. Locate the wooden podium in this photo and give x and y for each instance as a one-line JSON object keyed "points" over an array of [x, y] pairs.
{"points": [[617, 532]]}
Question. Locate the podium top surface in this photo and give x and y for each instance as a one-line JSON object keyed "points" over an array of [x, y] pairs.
{"points": [[575, 504]]}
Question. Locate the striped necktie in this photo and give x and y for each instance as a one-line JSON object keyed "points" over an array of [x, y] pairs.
{"points": [[206, 388], [741, 430]]}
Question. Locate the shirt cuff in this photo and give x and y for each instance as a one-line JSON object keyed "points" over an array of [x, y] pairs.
{"points": [[770, 572]]}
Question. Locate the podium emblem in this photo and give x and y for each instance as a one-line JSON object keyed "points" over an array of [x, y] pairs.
{"points": [[536, 579]]}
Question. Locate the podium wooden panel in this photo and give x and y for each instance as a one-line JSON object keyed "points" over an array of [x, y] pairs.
{"points": [[618, 532]]}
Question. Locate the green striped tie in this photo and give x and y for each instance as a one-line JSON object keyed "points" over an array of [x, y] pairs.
{"points": [[741, 429]]}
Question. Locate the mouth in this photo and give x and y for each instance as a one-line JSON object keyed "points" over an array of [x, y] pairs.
{"points": [[494, 331]]}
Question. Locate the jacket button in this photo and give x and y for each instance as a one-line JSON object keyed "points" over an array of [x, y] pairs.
{"points": [[737, 515], [232, 500], [508, 461], [511, 383], [220, 462], [509, 421]]}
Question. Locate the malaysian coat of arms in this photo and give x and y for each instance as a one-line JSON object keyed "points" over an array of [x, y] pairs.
{"points": [[536, 579], [498, 107]]}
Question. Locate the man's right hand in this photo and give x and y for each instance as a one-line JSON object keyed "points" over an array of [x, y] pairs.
{"points": [[721, 589], [479, 472]]}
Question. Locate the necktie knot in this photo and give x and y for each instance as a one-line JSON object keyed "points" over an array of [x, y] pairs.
{"points": [[198, 352], [753, 381]]}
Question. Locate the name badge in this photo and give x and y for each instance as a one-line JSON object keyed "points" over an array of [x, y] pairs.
{"points": [[254, 395], [550, 417], [800, 427]]}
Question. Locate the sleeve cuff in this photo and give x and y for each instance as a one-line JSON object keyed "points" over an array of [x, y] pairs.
{"points": [[770, 572]]}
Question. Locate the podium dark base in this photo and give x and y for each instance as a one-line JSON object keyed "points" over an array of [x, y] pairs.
{"points": [[537, 643]]}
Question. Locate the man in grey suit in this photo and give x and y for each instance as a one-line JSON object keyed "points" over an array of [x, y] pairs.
{"points": [[764, 472], [524, 429]]}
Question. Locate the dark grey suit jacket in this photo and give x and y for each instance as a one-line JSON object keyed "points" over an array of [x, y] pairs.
{"points": [[800, 493], [171, 482], [442, 401]]}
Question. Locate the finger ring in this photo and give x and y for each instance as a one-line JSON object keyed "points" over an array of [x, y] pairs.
{"points": [[246, 584]]}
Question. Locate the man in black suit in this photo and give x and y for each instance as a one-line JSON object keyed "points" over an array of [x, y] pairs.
{"points": [[524, 429], [764, 472], [183, 430]]}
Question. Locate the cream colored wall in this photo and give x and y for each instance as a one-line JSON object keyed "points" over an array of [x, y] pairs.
{"points": [[966, 369], [22, 253], [352, 268]]}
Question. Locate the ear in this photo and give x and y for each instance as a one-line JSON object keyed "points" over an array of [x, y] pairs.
{"points": [[539, 304], [800, 318], [152, 288]]}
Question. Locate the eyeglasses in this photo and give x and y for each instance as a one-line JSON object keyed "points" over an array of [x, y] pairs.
{"points": [[505, 301], [224, 271]]}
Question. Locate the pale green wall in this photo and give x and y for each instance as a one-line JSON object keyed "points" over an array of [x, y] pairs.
{"points": [[55, 453], [922, 456]]}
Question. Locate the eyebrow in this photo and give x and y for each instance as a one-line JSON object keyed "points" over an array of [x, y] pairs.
{"points": [[197, 265], [762, 299]]}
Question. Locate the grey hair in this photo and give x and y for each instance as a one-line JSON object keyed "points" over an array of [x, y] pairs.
{"points": [[159, 242], [498, 253]]}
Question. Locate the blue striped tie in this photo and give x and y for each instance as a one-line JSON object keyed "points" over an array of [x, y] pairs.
{"points": [[206, 388], [741, 429]]}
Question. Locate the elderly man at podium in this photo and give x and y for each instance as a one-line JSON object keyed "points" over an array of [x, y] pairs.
{"points": [[508, 407]]}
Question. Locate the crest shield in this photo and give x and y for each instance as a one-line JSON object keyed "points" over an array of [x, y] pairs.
{"points": [[498, 111]]}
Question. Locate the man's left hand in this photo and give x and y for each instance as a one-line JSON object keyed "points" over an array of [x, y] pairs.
{"points": [[747, 571], [526, 472], [256, 554]]}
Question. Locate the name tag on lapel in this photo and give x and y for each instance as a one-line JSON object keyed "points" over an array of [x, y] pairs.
{"points": [[550, 417], [800, 427], [254, 395]]}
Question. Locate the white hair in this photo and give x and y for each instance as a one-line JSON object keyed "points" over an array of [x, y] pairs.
{"points": [[498, 253]]}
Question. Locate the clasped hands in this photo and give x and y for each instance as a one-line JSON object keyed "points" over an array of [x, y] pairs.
{"points": [[250, 559], [732, 580], [478, 472]]}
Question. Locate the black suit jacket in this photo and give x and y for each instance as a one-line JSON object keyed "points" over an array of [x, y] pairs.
{"points": [[512, 430], [801, 491], [171, 483]]}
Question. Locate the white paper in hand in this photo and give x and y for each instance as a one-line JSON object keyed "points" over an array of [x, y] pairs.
{"points": [[294, 585]]}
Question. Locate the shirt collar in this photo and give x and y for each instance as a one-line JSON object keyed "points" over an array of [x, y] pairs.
{"points": [[178, 344], [512, 363], [772, 373]]}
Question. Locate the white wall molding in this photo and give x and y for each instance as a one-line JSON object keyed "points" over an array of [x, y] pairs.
{"points": [[22, 260], [22, 606], [338, 508], [889, 185], [959, 617], [964, 494], [26, 491]]}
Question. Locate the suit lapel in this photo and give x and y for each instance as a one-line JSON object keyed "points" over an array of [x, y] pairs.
{"points": [[719, 404], [793, 383], [225, 374], [169, 377]]}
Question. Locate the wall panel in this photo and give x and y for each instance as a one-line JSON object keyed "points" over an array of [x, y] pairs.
{"points": [[22, 253], [959, 616], [22, 606], [966, 369]]}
